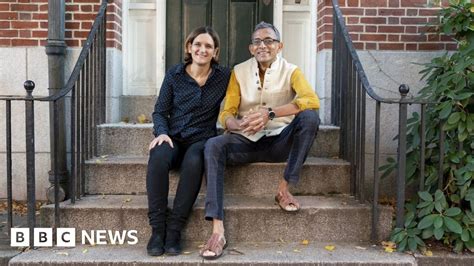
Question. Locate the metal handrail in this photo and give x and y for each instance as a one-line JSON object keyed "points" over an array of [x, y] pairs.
{"points": [[86, 87], [349, 87]]}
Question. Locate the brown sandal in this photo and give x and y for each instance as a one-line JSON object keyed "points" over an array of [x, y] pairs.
{"points": [[284, 200], [216, 244]]}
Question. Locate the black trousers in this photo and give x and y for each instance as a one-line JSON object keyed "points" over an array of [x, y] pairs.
{"points": [[189, 159]]}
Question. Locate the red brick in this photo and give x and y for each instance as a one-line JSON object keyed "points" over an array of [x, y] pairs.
{"points": [[413, 3], [73, 25], [68, 34], [25, 16], [423, 29], [354, 37], [373, 3], [4, 24], [431, 46], [40, 34], [44, 25], [86, 1], [411, 46], [446, 38], [392, 20], [8, 33], [25, 33], [371, 12], [370, 28], [110, 43], [72, 43], [24, 7], [413, 38], [413, 21], [43, 7], [412, 12], [72, 8], [23, 1], [451, 46], [373, 20], [5, 42], [86, 25], [80, 34], [428, 12], [359, 45], [39, 1], [86, 8], [391, 12], [84, 16], [40, 16], [391, 29], [371, 46], [393, 38], [433, 20], [391, 46], [4, 7], [433, 37], [23, 42], [411, 29], [353, 3], [68, 16], [355, 28], [9, 15], [43, 42], [373, 37], [24, 25], [345, 11], [394, 3], [352, 20]]}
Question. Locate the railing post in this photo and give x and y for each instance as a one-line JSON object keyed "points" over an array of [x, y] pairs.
{"points": [[56, 50], [402, 156], [30, 156]]}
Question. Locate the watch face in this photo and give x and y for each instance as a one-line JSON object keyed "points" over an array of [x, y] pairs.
{"points": [[271, 115]]}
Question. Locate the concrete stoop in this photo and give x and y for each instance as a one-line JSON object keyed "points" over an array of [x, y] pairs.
{"points": [[236, 254], [127, 175], [133, 139], [248, 219]]}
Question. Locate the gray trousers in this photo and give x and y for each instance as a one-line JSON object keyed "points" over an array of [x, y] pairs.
{"points": [[291, 145]]}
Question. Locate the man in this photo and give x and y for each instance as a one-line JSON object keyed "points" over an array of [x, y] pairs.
{"points": [[270, 110]]}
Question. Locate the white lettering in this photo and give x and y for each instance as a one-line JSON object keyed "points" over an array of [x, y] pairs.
{"points": [[101, 237], [117, 237], [90, 237], [133, 235]]}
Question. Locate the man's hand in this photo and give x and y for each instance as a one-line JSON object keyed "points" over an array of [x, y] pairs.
{"points": [[254, 121], [160, 139]]}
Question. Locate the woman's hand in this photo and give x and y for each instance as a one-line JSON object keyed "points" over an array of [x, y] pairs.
{"points": [[160, 139]]}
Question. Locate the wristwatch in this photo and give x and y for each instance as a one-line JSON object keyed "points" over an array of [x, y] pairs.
{"points": [[271, 114]]}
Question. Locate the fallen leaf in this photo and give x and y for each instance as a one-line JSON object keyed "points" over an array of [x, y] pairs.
{"points": [[84, 251], [63, 253], [362, 248], [389, 249], [428, 253], [201, 246], [126, 120], [305, 242], [127, 200], [142, 119], [297, 250], [329, 247], [104, 156], [279, 252], [389, 244], [281, 240], [234, 251], [187, 252]]}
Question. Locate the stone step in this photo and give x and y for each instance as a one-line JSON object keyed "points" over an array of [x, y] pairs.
{"points": [[133, 139], [127, 175], [248, 219], [236, 254], [132, 106]]}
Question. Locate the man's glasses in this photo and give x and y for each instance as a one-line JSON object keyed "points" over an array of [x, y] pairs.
{"points": [[267, 41]]}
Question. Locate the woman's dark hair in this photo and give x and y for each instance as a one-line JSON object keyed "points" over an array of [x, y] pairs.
{"points": [[196, 32]]}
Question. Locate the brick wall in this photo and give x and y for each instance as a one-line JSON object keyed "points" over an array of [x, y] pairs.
{"points": [[25, 22], [385, 25]]}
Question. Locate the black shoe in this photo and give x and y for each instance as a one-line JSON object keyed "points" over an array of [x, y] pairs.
{"points": [[173, 246], [155, 244]]}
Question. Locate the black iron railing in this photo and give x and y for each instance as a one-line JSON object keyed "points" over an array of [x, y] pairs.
{"points": [[86, 90], [348, 110]]}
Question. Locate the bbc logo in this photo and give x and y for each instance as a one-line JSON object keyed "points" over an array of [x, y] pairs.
{"points": [[43, 237]]}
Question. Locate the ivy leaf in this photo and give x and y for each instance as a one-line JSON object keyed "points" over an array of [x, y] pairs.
{"points": [[427, 233], [452, 225], [454, 118], [412, 244], [465, 235], [427, 221], [445, 111], [452, 212], [438, 222], [425, 195], [438, 233]]}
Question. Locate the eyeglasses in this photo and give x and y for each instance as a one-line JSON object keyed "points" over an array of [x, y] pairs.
{"points": [[267, 41]]}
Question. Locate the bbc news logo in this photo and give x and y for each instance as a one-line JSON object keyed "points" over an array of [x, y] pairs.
{"points": [[66, 237]]}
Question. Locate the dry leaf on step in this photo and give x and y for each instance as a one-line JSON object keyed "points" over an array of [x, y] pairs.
{"points": [[297, 250], [63, 253], [84, 251], [142, 119], [329, 247], [305, 242]]}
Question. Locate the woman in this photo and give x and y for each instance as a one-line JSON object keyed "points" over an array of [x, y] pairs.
{"points": [[184, 118]]}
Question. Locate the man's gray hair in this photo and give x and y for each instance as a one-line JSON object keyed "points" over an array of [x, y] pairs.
{"points": [[265, 25]]}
